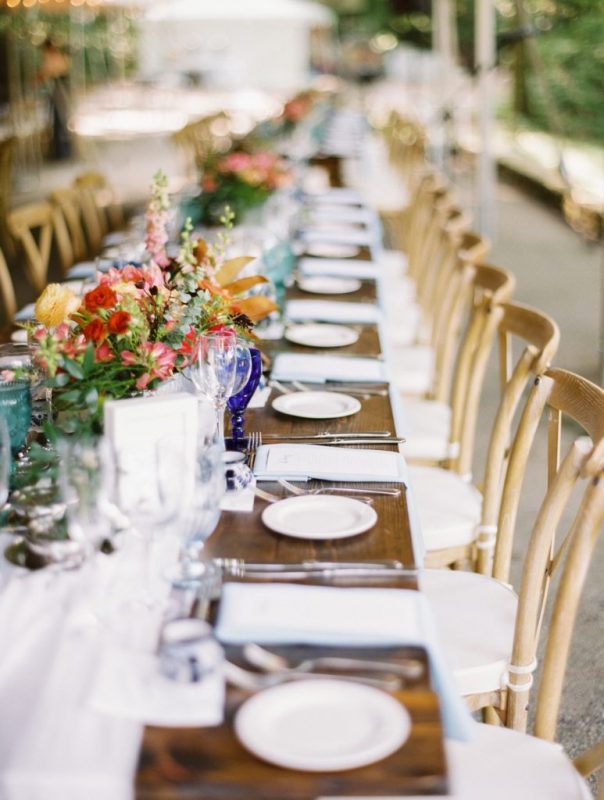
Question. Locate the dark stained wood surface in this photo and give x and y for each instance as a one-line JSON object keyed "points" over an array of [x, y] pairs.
{"points": [[209, 763]]}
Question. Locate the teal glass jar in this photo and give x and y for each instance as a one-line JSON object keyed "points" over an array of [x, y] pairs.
{"points": [[15, 407]]}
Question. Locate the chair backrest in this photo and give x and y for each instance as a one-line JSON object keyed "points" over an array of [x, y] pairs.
{"points": [[540, 337], [489, 288], [7, 292], [563, 394], [111, 213], [91, 216], [68, 201], [24, 223]]}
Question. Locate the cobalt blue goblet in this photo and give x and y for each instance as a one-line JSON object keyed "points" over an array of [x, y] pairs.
{"points": [[237, 403]]}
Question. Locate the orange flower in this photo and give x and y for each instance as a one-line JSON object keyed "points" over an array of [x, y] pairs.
{"points": [[94, 331], [118, 322], [101, 297]]}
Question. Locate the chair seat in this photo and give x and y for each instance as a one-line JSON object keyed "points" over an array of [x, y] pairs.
{"points": [[447, 506], [413, 369], [475, 616], [428, 431], [403, 324], [501, 764], [392, 263]]}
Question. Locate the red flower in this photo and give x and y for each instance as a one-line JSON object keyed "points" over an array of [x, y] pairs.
{"points": [[118, 322], [101, 297], [95, 331]]}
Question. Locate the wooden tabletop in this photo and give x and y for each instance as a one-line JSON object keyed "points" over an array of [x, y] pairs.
{"points": [[210, 763]]}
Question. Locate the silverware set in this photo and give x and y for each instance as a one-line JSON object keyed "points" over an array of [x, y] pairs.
{"points": [[275, 669], [256, 438]]}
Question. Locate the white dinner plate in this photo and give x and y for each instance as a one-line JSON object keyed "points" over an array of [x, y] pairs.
{"points": [[325, 284], [322, 725], [319, 516], [317, 405], [317, 334], [332, 250]]}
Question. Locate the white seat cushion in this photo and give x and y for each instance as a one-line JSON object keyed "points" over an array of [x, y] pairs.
{"points": [[403, 325], [392, 263], [428, 430], [475, 617], [501, 764], [413, 369], [447, 506]]}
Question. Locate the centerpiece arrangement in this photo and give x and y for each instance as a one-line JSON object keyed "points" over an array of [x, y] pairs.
{"points": [[142, 323], [240, 180]]}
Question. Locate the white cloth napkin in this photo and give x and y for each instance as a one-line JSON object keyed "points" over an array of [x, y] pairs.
{"points": [[322, 368], [26, 313], [341, 195], [339, 267], [130, 686], [332, 311], [328, 615], [82, 270], [243, 500], [359, 236], [260, 397], [341, 214], [304, 461]]}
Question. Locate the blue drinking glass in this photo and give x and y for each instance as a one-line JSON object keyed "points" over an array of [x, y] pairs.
{"points": [[237, 403]]}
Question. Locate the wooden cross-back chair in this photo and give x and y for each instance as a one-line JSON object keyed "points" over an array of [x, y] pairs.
{"points": [[492, 634], [110, 212], [458, 521], [8, 301], [68, 202], [32, 227], [7, 151], [93, 223], [441, 432]]}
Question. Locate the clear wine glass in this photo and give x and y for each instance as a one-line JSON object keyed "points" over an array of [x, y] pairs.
{"points": [[214, 372], [200, 519], [85, 477]]}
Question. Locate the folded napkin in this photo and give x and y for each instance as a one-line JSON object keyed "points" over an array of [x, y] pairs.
{"points": [[336, 214], [300, 462], [332, 311], [82, 270], [26, 313], [129, 685], [327, 615], [341, 195], [260, 397], [242, 500], [322, 368], [339, 268], [361, 237]]}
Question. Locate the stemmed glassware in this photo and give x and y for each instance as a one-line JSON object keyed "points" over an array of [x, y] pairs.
{"points": [[5, 461], [221, 368], [200, 518]]}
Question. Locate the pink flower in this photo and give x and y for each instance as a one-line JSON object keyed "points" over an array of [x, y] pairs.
{"points": [[161, 359], [143, 381], [104, 353], [7, 375], [128, 358]]}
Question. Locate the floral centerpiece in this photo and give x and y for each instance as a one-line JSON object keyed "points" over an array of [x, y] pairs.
{"points": [[141, 324], [239, 180]]}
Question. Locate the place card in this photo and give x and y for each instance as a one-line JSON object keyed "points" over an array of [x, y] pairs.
{"points": [[302, 462], [136, 428], [332, 311], [322, 368]]}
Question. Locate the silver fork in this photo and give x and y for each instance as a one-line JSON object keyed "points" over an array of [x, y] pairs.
{"points": [[254, 440], [246, 679], [342, 489]]}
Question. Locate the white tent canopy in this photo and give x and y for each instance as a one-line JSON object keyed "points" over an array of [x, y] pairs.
{"points": [[231, 43]]}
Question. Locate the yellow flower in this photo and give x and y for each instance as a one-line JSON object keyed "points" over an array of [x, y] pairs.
{"points": [[55, 305]]}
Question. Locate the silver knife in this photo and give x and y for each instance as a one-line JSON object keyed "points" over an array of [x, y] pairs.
{"points": [[328, 574], [308, 565], [328, 435]]}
